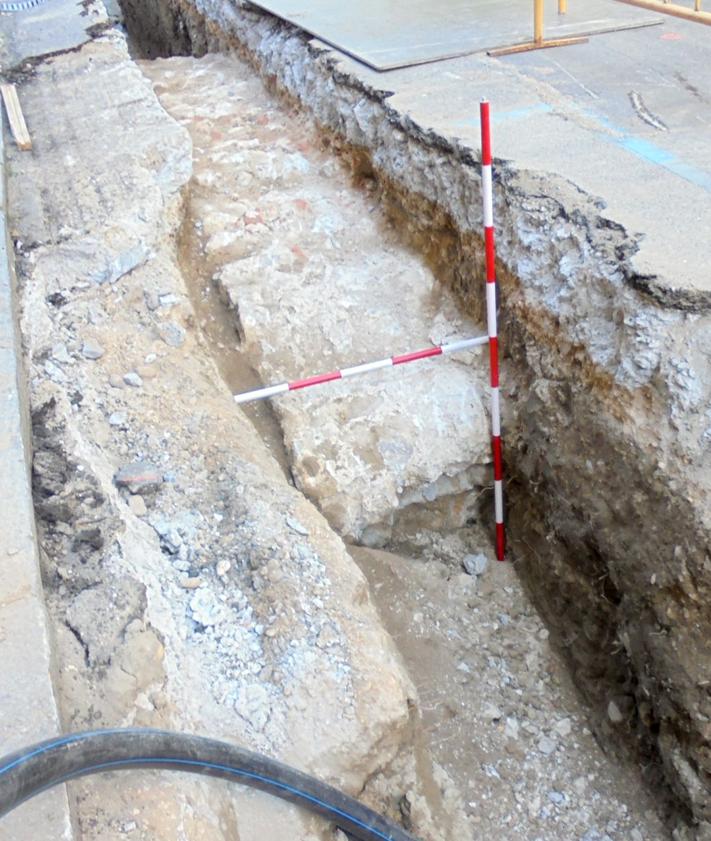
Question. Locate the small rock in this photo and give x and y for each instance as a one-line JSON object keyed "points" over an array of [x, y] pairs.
{"points": [[145, 372], [116, 381], [475, 564], [296, 526], [205, 608], [92, 350], [192, 584], [493, 712], [133, 379], [511, 728], [563, 727], [61, 354], [614, 713], [172, 541], [223, 567], [137, 505], [168, 300], [546, 745], [171, 333], [54, 372], [139, 477], [556, 797], [150, 358], [152, 301], [118, 418]]}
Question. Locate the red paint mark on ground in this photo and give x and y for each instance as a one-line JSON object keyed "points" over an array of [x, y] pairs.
{"points": [[302, 204], [262, 120], [297, 252], [216, 135], [671, 36]]}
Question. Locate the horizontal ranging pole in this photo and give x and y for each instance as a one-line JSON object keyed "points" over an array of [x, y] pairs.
{"points": [[365, 368]]}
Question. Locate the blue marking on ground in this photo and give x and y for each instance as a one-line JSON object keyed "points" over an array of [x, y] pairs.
{"points": [[637, 146]]}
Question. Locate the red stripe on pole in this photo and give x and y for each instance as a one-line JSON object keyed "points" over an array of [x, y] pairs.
{"points": [[500, 542], [490, 242], [485, 133], [490, 254], [317, 380], [494, 361], [418, 354], [498, 460]]}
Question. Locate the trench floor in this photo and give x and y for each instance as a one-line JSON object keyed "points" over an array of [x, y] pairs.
{"points": [[499, 711]]}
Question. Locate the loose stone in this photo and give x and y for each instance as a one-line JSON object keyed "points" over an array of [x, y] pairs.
{"points": [[139, 477], [133, 379], [92, 350]]}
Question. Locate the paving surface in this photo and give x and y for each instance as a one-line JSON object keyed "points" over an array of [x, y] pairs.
{"points": [[399, 33], [625, 118], [48, 28], [28, 709]]}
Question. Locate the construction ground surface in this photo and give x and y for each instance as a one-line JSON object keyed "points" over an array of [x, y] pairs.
{"points": [[215, 201]]}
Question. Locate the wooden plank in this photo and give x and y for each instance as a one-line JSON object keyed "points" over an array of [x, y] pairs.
{"points": [[18, 126]]}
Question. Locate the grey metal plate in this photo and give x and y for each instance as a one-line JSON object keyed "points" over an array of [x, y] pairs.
{"points": [[386, 34], [50, 27]]}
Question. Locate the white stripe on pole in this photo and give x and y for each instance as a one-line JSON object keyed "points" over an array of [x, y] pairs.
{"points": [[262, 393], [463, 344], [495, 413], [368, 366], [488, 196], [499, 500], [491, 308]]}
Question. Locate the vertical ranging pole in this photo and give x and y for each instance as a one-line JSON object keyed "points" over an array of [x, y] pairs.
{"points": [[487, 194]]}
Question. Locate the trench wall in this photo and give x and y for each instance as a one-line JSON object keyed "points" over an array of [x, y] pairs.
{"points": [[606, 439]]}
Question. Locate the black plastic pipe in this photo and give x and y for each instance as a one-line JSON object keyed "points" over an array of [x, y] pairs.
{"points": [[28, 772]]}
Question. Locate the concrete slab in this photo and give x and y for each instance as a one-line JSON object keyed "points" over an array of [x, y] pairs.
{"points": [[624, 118], [28, 709], [56, 26], [401, 33]]}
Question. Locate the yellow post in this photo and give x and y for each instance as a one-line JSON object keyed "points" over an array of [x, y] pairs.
{"points": [[697, 5], [537, 21], [538, 42]]}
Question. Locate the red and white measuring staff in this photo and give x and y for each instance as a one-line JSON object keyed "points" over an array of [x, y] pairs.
{"points": [[490, 248], [366, 368]]}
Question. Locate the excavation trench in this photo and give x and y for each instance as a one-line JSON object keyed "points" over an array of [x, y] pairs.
{"points": [[442, 619], [605, 442], [320, 173]]}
